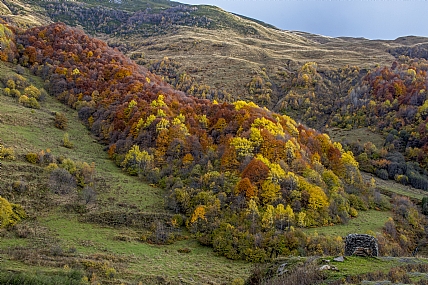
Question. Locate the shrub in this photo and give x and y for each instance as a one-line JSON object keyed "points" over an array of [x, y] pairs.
{"points": [[33, 103], [11, 214], [238, 281], [66, 141], [401, 179], [56, 250], [305, 275], [7, 153], [382, 173], [6, 91], [32, 157], [51, 167], [15, 93], [61, 121], [20, 186], [61, 181], [11, 84], [23, 100], [184, 250], [89, 195], [32, 92], [110, 272]]}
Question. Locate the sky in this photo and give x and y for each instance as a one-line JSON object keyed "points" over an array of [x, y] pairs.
{"points": [[371, 19]]}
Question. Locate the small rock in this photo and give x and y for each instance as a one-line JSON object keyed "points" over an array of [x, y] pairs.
{"points": [[325, 267], [282, 269], [326, 260], [339, 259]]}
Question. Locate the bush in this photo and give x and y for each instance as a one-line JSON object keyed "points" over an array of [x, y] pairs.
{"points": [[15, 93], [51, 167], [89, 195], [307, 274], [33, 103], [32, 157], [11, 214], [382, 174], [61, 181], [32, 92], [66, 141], [6, 91], [61, 121], [402, 179], [11, 84], [20, 186], [7, 153], [74, 277]]}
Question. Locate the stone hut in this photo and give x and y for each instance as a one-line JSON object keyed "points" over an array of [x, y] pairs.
{"points": [[361, 245]]}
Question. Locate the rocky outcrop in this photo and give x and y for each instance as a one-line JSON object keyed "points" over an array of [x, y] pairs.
{"points": [[361, 245]]}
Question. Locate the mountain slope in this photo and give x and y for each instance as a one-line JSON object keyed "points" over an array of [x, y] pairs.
{"points": [[219, 55]]}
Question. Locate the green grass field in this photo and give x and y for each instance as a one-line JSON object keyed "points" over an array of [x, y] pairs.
{"points": [[366, 222]]}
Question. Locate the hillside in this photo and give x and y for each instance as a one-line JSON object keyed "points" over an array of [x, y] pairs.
{"points": [[54, 245], [240, 178]]}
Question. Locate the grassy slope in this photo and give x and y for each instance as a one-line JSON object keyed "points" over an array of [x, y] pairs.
{"points": [[32, 130], [367, 221]]}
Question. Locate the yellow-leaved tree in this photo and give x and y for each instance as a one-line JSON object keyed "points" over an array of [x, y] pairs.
{"points": [[270, 191], [350, 171], [136, 160], [268, 217]]}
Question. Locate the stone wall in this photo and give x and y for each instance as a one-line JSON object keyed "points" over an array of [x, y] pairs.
{"points": [[363, 245]]}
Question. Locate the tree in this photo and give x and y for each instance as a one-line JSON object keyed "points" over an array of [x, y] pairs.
{"points": [[256, 171], [270, 191], [136, 161], [253, 213], [243, 146], [284, 216], [268, 217], [350, 169], [245, 187]]}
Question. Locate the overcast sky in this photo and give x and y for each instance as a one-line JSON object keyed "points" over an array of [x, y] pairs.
{"points": [[372, 19]]}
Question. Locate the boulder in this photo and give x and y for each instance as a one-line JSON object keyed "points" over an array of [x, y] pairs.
{"points": [[339, 259]]}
